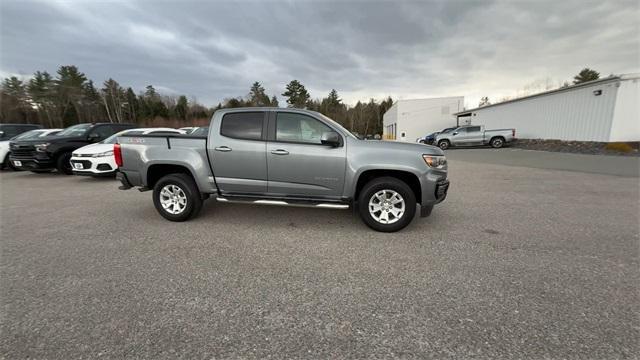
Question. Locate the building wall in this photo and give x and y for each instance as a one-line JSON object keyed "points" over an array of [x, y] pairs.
{"points": [[419, 117], [389, 122], [576, 114], [626, 116]]}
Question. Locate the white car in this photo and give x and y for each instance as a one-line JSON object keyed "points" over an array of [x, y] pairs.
{"points": [[97, 159], [189, 129], [28, 135]]}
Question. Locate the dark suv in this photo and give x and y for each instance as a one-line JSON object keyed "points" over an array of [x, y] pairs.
{"points": [[45, 155], [7, 131]]}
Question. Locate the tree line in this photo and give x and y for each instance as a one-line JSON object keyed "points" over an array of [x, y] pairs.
{"points": [[70, 98]]}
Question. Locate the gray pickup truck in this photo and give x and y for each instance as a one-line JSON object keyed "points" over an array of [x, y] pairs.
{"points": [[474, 135], [284, 157]]}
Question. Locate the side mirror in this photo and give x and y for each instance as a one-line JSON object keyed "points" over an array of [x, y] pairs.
{"points": [[330, 138], [455, 133]]}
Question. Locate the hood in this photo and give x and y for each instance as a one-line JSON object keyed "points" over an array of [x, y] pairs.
{"points": [[397, 145], [94, 149]]}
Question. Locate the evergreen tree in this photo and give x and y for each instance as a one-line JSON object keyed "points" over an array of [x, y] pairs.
{"points": [[70, 90], [296, 94], [181, 108], [274, 101], [585, 75], [257, 95]]}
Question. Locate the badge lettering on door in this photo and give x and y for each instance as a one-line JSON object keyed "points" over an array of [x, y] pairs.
{"points": [[325, 178]]}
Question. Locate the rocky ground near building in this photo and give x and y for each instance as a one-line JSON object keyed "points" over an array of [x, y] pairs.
{"points": [[579, 147]]}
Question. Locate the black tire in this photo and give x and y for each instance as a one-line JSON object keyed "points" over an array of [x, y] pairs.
{"points": [[63, 165], [6, 164], [497, 142], [188, 187], [444, 144], [387, 183], [422, 142]]}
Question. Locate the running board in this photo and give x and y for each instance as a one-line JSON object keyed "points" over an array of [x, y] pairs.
{"points": [[300, 203]]}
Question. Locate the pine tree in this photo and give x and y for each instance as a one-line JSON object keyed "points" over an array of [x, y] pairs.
{"points": [[296, 94], [585, 75]]}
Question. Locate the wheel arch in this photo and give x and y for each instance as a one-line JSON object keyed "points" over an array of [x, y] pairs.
{"points": [[407, 177]]}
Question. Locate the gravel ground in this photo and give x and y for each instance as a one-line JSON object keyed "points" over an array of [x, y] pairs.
{"points": [[516, 263]]}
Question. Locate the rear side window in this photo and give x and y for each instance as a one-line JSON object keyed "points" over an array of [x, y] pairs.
{"points": [[473, 129], [243, 125]]}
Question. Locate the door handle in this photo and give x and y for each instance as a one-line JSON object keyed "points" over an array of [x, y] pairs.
{"points": [[280, 152], [223, 148]]}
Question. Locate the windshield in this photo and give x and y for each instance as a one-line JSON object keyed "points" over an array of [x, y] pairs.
{"points": [[75, 130], [201, 131], [31, 134], [335, 124], [113, 138]]}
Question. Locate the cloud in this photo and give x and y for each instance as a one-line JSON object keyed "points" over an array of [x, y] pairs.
{"points": [[214, 50]]}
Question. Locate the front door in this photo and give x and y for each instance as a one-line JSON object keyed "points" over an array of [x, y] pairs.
{"points": [[298, 164], [458, 136], [237, 153]]}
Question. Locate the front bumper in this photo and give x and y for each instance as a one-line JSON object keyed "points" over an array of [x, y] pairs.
{"points": [[32, 163], [101, 166]]}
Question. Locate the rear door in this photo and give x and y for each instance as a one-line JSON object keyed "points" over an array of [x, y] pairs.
{"points": [[473, 136], [298, 164], [237, 153]]}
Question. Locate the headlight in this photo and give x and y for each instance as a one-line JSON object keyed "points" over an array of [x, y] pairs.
{"points": [[106, 153], [42, 147], [434, 161]]}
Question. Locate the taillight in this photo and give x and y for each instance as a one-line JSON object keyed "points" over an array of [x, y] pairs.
{"points": [[117, 153]]}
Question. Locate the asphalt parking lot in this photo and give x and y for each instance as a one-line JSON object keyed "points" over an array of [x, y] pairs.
{"points": [[518, 262]]}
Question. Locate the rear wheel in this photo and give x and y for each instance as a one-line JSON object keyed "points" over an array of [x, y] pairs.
{"points": [[444, 144], [176, 197], [63, 164], [497, 142], [386, 204]]}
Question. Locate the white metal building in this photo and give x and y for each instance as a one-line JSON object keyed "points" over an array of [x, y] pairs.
{"points": [[408, 120], [604, 110]]}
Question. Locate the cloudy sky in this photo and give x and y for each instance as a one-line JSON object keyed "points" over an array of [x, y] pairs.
{"points": [[211, 50]]}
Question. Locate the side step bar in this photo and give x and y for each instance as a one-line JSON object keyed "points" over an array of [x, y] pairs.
{"points": [[300, 203]]}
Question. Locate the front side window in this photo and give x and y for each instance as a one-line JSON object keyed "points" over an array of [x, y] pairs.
{"points": [[300, 128], [461, 130], [102, 132], [243, 125]]}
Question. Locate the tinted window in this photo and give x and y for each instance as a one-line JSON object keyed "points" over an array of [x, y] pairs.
{"points": [[243, 125], [461, 130], [299, 128], [473, 129], [102, 132]]}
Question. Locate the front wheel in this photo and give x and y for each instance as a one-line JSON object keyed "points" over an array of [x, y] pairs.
{"points": [[444, 144], [387, 204], [176, 197]]}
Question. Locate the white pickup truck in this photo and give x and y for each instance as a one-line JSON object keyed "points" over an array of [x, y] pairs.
{"points": [[475, 135]]}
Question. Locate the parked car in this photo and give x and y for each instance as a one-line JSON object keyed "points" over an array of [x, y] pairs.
{"points": [[429, 138], [31, 134], [7, 131], [188, 129], [201, 131], [284, 157], [97, 159], [55, 152], [474, 135]]}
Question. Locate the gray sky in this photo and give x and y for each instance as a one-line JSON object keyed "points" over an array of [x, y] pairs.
{"points": [[212, 50]]}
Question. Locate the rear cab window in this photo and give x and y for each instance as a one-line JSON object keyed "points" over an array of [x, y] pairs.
{"points": [[243, 125]]}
